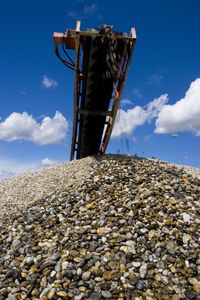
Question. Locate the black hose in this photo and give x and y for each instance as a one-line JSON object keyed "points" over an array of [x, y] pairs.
{"points": [[68, 55], [66, 63]]}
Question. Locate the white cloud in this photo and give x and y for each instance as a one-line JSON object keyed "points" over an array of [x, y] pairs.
{"points": [[184, 115], [134, 139], [22, 126], [176, 136], [154, 79], [72, 14], [13, 167], [23, 93], [137, 93], [90, 9], [147, 138], [6, 174], [127, 121], [126, 102], [48, 82], [46, 162]]}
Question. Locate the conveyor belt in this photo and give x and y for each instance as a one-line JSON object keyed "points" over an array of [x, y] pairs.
{"points": [[96, 93], [100, 78]]}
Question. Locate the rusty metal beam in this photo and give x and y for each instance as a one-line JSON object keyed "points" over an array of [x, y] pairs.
{"points": [[109, 126]]}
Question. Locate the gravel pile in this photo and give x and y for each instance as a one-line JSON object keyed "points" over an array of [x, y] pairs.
{"points": [[128, 229], [24, 189]]}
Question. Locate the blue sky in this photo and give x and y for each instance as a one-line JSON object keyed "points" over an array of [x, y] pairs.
{"points": [[160, 107]]}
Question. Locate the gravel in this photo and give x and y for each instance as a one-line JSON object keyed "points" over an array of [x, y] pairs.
{"points": [[111, 227]]}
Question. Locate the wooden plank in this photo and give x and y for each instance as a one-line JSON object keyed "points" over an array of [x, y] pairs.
{"points": [[133, 33], [94, 112], [86, 33], [72, 34], [78, 25]]}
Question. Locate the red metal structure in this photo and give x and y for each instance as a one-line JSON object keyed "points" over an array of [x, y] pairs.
{"points": [[100, 76]]}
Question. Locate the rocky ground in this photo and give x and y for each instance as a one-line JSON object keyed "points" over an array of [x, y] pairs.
{"points": [[129, 230]]}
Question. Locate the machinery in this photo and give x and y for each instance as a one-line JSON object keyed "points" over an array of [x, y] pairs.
{"points": [[102, 59]]}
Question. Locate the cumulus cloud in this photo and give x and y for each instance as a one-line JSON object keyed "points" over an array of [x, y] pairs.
{"points": [[127, 121], [48, 82], [184, 115], [126, 102], [46, 162], [22, 126]]}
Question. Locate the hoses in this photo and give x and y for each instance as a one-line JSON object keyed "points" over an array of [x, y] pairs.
{"points": [[65, 62]]}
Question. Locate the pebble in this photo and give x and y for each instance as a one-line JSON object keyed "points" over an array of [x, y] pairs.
{"points": [[186, 238], [95, 296], [130, 227], [107, 275], [79, 271], [143, 270], [61, 294], [196, 287], [136, 264], [186, 218], [86, 276], [106, 294], [51, 293]]}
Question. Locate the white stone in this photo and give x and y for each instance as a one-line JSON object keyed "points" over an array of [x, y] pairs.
{"points": [[104, 239], [64, 265], [29, 260], [136, 264], [53, 273], [186, 238], [144, 230], [79, 271], [164, 279], [130, 243], [186, 218], [193, 281], [157, 277], [131, 249], [143, 271], [79, 297], [16, 243], [187, 264]]}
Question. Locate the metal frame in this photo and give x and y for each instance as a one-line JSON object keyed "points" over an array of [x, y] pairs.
{"points": [[74, 39]]}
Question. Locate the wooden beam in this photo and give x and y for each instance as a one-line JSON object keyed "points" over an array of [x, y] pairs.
{"points": [[88, 33], [78, 25], [133, 33]]}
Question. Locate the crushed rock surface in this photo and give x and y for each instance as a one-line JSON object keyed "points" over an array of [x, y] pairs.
{"points": [[127, 228]]}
